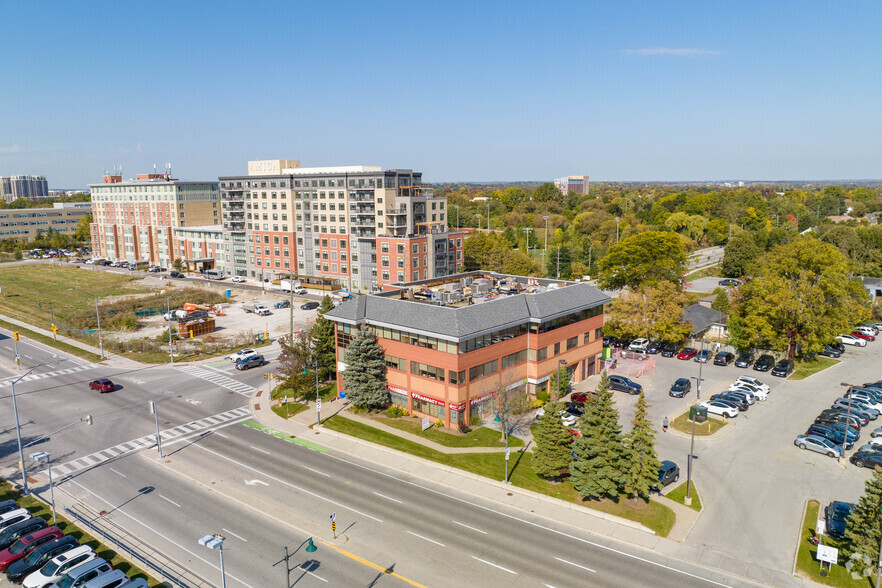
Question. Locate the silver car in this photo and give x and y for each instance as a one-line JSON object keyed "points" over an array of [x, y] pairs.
{"points": [[819, 444]]}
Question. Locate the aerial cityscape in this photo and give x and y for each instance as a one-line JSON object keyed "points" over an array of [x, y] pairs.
{"points": [[581, 294]]}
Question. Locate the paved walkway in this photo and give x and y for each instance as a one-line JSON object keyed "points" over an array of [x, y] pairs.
{"points": [[562, 513]]}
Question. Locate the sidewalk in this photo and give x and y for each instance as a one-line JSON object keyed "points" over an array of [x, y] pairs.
{"points": [[560, 512]]}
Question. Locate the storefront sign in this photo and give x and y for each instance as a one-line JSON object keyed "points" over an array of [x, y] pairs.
{"points": [[397, 390], [480, 399], [427, 399], [460, 407]]}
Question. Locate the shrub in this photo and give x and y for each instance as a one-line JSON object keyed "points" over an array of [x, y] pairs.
{"points": [[439, 423], [543, 397], [393, 412]]}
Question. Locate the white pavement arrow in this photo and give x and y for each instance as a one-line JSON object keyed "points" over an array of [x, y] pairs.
{"points": [[255, 482]]}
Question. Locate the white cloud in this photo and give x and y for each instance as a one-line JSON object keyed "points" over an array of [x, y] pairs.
{"points": [[669, 51], [6, 149]]}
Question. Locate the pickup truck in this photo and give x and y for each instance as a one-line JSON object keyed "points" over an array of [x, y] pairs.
{"points": [[258, 309]]}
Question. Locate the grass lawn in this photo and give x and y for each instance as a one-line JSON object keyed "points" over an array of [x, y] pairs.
{"points": [[707, 272], [655, 516], [292, 409], [805, 368], [38, 509], [808, 566], [709, 427], [326, 392], [678, 494], [480, 437], [65, 347]]}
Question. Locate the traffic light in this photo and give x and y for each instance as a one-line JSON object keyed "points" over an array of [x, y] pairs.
{"points": [[15, 335], [54, 329]]}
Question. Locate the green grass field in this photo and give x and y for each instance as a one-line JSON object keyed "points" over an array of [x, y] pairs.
{"points": [[480, 437], [289, 410], [655, 516], [707, 272], [808, 567], [807, 367], [709, 427], [678, 494]]}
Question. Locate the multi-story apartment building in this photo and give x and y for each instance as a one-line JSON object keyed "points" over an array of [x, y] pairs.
{"points": [[452, 344], [135, 220], [22, 186], [577, 184], [329, 225], [29, 223]]}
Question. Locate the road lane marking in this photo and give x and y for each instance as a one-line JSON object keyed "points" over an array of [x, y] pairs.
{"points": [[303, 567], [170, 500], [574, 564], [426, 539], [490, 563], [371, 564], [234, 535], [320, 473], [213, 432], [260, 450], [468, 527], [388, 498], [120, 473]]}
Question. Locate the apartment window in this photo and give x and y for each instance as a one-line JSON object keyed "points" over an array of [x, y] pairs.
{"points": [[416, 248], [401, 249], [557, 348], [384, 248], [572, 343], [598, 333], [385, 276], [586, 338]]}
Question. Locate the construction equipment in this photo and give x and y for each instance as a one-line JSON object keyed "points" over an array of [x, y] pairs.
{"points": [[190, 307]]}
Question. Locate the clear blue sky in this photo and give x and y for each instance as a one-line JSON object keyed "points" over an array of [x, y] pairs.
{"points": [[471, 91]]}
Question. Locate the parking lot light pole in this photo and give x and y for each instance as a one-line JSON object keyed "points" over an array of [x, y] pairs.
{"points": [[171, 344], [847, 423], [688, 499], [216, 542], [40, 456], [698, 386], [24, 478]]}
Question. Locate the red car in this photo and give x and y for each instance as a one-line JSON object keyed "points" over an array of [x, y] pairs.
{"points": [[102, 385], [580, 397], [27, 544], [863, 336], [687, 353]]}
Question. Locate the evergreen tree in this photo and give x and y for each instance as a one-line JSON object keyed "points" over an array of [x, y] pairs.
{"points": [[365, 372], [323, 341], [641, 471], [864, 527], [564, 383], [553, 442], [598, 453], [565, 259]]}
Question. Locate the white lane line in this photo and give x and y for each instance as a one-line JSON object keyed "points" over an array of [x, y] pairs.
{"points": [[388, 498], [213, 432], [467, 527], [427, 539], [320, 473], [259, 449], [118, 508], [490, 563], [170, 500], [548, 586], [311, 574], [28, 356], [574, 564], [234, 535], [290, 485], [116, 472]]}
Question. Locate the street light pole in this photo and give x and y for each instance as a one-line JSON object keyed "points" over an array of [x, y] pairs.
{"points": [[847, 424], [617, 230], [546, 234], [40, 456], [155, 414], [216, 542], [97, 317], [318, 401], [24, 478], [171, 344]]}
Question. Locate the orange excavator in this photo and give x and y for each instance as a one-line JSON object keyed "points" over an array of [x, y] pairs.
{"points": [[189, 307]]}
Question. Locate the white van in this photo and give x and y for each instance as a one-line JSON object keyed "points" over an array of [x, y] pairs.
{"points": [[56, 568]]}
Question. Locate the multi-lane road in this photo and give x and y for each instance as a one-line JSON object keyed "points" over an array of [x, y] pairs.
{"points": [[221, 475]]}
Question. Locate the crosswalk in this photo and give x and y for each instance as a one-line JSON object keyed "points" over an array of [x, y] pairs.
{"points": [[218, 379], [41, 375], [135, 445]]}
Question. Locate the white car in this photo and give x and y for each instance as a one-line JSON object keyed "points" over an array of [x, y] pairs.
{"points": [[58, 567], [721, 408], [852, 340], [566, 418], [754, 382], [239, 355], [867, 399], [747, 392], [639, 344], [238, 279], [867, 330], [758, 393]]}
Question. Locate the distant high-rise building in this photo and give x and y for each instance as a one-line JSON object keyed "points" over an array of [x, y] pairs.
{"points": [[577, 184], [15, 187]]}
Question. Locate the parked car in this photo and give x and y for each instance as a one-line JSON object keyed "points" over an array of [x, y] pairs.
{"points": [[852, 340], [764, 363], [623, 384], [740, 403], [838, 346], [575, 409], [621, 343], [14, 532], [238, 279], [863, 335], [856, 406], [58, 567], [607, 341], [720, 407], [681, 388], [12, 517], [723, 358], [111, 579], [730, 282], [757, 393], [830, 351], [687, 353], [668, 473], [869, 400], [744, 394], [175, 275], [249, 362], [40, 556], [867, 459], [566, 418], [639, 344], [703, 356], [744, 360], [581, 397], [8, 506], [654, 347], [783, 368], [836, 516], [669, 349], [867, 330], [831, 434], [818, 444], [309, 305], [754, 382], [27, 544], [283, 304], [855, 417], [241, 354], [102, 385], [78, 576]]}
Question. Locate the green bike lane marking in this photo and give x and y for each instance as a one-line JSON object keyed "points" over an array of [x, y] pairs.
{"points": [[286, 437]]}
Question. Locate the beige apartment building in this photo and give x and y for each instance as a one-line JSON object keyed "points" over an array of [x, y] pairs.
{"points": [[28, 223]]}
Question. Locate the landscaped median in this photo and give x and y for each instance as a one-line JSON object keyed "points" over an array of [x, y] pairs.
{"points": [[678, 494], [807, 564], [809, 367], [652, 515], [708, 427]]}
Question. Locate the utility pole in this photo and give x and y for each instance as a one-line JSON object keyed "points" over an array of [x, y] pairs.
{"points": [[546, 234], [617, 230], [155, 414], [291, 309], [558, 262], [527, 232]]}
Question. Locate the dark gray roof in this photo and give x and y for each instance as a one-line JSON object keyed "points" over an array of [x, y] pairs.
{"points": [[458, 323], [701, 317]]}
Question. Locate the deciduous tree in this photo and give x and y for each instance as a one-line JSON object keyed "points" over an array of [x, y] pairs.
{"points": [[654, 312], [365, 372], [643, 259], [295, 358], [738, 255]]}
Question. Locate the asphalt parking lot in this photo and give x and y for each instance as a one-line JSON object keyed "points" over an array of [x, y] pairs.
{"points": [[753, 481]]}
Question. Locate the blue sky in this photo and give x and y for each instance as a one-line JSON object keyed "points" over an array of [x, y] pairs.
{"points": [[469, 91]]}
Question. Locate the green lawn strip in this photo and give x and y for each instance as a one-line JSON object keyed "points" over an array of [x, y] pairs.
{"points": [[655, 516], [288, 410], [678, 494], [285, 436], [706, 272], [805, 368], [808, 566], [61, 346], [326, 392], [709, 427], [39, 509], [480, 437]]}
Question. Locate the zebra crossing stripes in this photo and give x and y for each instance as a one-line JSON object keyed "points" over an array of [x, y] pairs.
{"points": [[218, 379], [135, 445], [41, 375]]}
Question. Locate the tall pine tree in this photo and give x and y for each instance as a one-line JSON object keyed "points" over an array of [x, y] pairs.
{"points": [[553, 442], [598, 453], [641, 460], [365, 372], [323, 341], [864, 528]]}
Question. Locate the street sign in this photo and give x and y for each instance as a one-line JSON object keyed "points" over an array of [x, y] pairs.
{"points": [[828, 554], [333, 517], [318, 404], [507, 451], [821, 527]]}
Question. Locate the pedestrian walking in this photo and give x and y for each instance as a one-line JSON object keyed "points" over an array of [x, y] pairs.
{"points": [[665, 425]]}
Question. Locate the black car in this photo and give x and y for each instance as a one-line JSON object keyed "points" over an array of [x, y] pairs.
{"points": [[730, 282], [8, 506], [867, 459], [723, 358], [764, 363], [836, 515], [620, 343], [668, 473], [250, 362], [857, 417], [837, 419], [623, 384], [655, 347], [309, 305], [575, 409], [669, 349], [829, 433], [175, 275], [829, 351], [16, 531], [838, 346], [607, 340], [744, 360], [681, 388], [783, 368], [35, 560], [738, 401]]}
